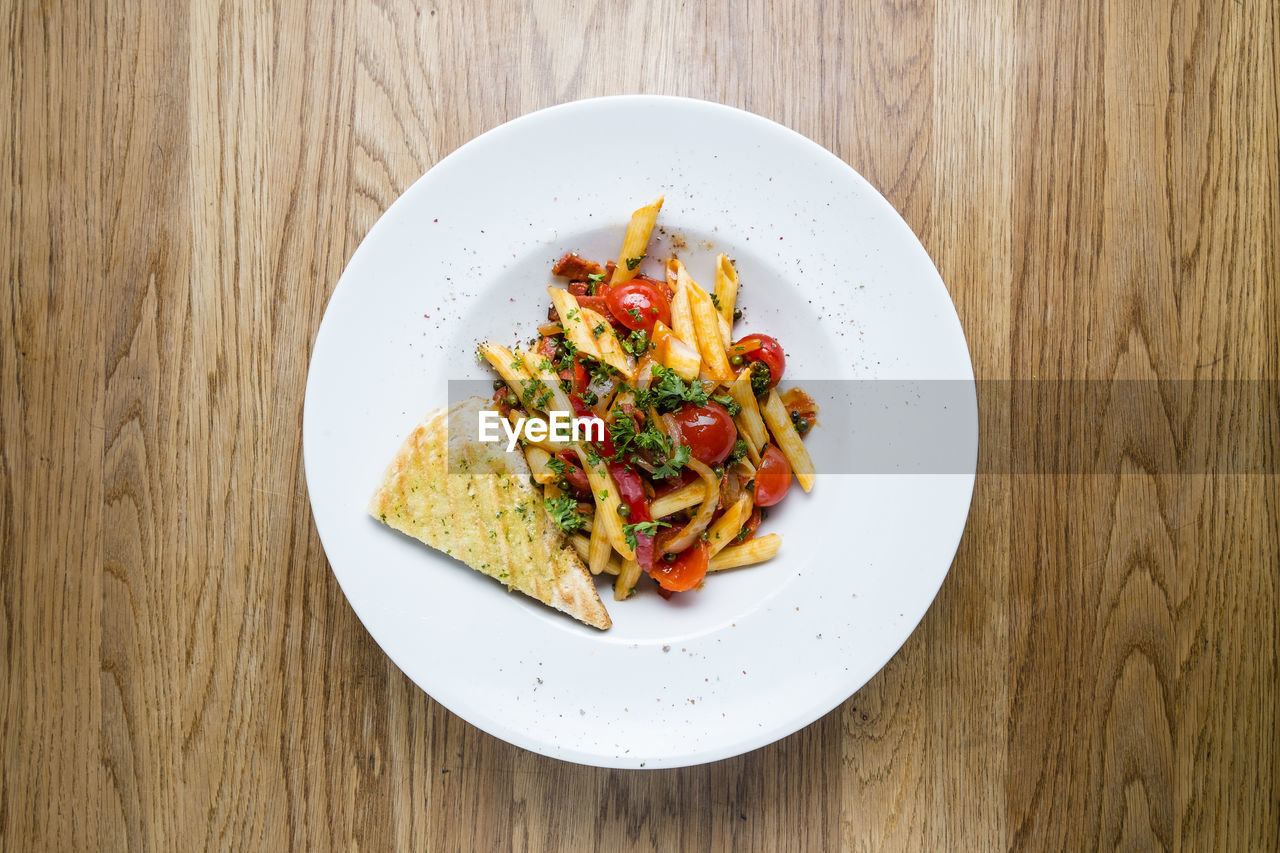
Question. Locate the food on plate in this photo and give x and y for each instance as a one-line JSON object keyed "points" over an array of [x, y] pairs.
{"points": [[477, 504], [695, 438]]}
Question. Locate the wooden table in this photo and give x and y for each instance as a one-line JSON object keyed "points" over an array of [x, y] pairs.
{"points": [[1097, 183]]}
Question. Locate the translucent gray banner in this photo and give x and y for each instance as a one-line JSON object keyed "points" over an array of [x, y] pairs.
{"points": [[931, 427]]}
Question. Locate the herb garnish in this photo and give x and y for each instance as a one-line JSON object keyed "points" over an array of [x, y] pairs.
{"points": [[669, 392], [730, 404], [564, 512], [636, 343], [643, 528], [761, 376], [674, 464]]}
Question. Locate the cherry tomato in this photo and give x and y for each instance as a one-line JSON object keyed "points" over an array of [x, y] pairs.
{"points": [[708, 430], [766, 349], [773, 477], [685, 573], [638, 303]]}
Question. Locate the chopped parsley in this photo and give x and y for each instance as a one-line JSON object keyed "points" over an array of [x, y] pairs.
{"points": [[730, 404], [564, 512], [674, 465], [598, 330], [635, 314], [627, 437], [623, 432], [761, 377], [596, 277], [572, 315], [632, 263], [642, 528], [557, 466], [636, 343], [669, 392], [601, 373], [565, 352], [715, 300], [738, 452]]}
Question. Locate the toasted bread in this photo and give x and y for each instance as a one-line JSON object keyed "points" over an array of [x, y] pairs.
{"points": [[478, 504]]}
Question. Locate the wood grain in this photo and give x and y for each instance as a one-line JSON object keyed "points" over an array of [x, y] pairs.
{"points": [[183, 184]]}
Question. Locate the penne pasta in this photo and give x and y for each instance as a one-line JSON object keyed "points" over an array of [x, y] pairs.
{"points": [[537, 459], [605, 493], [673, 273], [636, 242], [582, 546], [602, 486], [682, 498], [674, 353], [749, 422], [610, 347], [728, 525], [510, 367], [681, 310], [706, 327], [726, 332], [540, 370], [726, 289], [600, 551], [575, 325], [747, 554], [626, 581], [784, 432]]}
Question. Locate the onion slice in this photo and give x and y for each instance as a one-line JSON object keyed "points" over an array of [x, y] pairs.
{"points": [[689, 535]]}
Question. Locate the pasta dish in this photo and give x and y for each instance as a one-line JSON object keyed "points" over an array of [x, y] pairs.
{"points": [[694, 440]]}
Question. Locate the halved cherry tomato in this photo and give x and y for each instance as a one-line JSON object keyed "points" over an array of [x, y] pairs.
{"points": [[762, 348], [685, 573], [708, 430], [638, 303], [773, 477]]}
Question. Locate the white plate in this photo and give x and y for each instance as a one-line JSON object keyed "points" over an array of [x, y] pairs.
{"points": [[828, 267]]}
